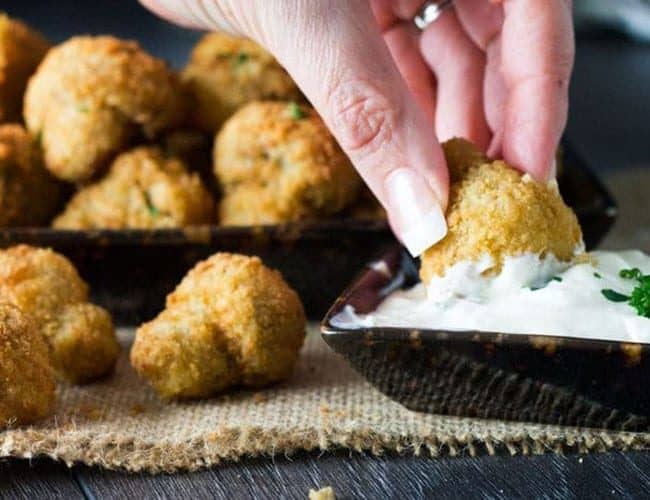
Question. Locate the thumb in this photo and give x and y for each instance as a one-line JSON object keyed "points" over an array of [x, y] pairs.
{"points": [[335, 53]]}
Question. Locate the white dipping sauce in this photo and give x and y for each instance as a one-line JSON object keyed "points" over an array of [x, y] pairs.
{"points": [[571, 304]]}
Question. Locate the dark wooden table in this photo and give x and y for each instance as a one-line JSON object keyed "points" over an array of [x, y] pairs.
{"points": [[621, 475], [608, 126]]}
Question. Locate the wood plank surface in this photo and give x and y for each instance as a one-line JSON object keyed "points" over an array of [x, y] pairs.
{"points": [[357, 476], [37, 479]]}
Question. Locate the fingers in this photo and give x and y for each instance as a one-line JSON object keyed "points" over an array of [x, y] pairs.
{"points": [[536, 62], [346, 71], [403, 43], [194, 14], [459, 67]]}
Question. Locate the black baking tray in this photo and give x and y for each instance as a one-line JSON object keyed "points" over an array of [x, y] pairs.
{"points": [[131, 271], [554, 380]]}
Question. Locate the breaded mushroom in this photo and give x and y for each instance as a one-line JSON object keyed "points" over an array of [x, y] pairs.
{"points": [[47, 288], [226, 72], [27, 380], [277, 162], [21, 50], [143, 189], [29, 194], [497, 211], [231, 321], [92, 96]]}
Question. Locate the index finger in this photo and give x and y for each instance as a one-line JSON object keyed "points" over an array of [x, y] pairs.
{"points": [[537, 59]]}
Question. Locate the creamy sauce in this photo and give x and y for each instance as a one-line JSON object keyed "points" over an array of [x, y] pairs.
{"points": [[529, 296]]}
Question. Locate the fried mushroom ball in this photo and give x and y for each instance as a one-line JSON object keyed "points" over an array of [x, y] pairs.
{"points": [[21, 50], [143, 189], [27, 380], [231, 321], [91, 96], [277, 162], [29, 194], [47, 288], [225, 73], [496, 210]]}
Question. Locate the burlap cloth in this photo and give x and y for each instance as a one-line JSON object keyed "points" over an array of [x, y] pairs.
{"points": [[120, 423]]}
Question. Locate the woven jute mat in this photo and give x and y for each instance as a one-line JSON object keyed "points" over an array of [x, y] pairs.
{"points": [[120, 423]]}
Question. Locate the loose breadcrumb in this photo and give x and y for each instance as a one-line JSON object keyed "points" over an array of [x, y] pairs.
{"points": [[326, 493]]}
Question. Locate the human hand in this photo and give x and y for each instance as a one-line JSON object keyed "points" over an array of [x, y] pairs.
{"points": [[495, 72]]}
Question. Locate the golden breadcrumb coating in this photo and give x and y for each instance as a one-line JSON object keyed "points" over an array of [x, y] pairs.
{"points": [[143, 189], [225, 73], [21, 49], [27, 381], [47, 287], [91, 96], [29, 194], [282, 156], [231, 321], [496, 210]]}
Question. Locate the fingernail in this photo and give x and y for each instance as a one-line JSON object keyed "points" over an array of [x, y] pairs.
{"points": [[415, 211]]}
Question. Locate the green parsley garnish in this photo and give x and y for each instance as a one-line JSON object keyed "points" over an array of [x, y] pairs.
{"points": [[598, 276], [83, 108], [151, 208], [557, 278], [295, 111], [614, 296], [631, 274], [240, 59], [640, 297]]}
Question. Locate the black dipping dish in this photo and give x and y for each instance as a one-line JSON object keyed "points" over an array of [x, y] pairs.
{"points": [[553, 380]]}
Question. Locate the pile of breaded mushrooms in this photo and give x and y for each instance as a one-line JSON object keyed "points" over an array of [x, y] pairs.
{"points": [[98, 134]]}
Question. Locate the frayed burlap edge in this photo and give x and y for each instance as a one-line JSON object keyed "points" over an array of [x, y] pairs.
{"points": [[114, 452]]}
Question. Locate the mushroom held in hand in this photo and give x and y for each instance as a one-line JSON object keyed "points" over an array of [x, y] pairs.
{"points": [[496, 212], [231, 321]]}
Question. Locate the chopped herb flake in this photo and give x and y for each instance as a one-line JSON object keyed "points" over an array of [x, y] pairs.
{"points": [[631, 274], [557, 278], [239, 59], [614, 296], [83, 108], [596, 275], [153, 210], [295, 111]]}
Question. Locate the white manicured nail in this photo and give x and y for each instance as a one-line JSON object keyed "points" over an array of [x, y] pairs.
{"points": [[416, 213]]}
